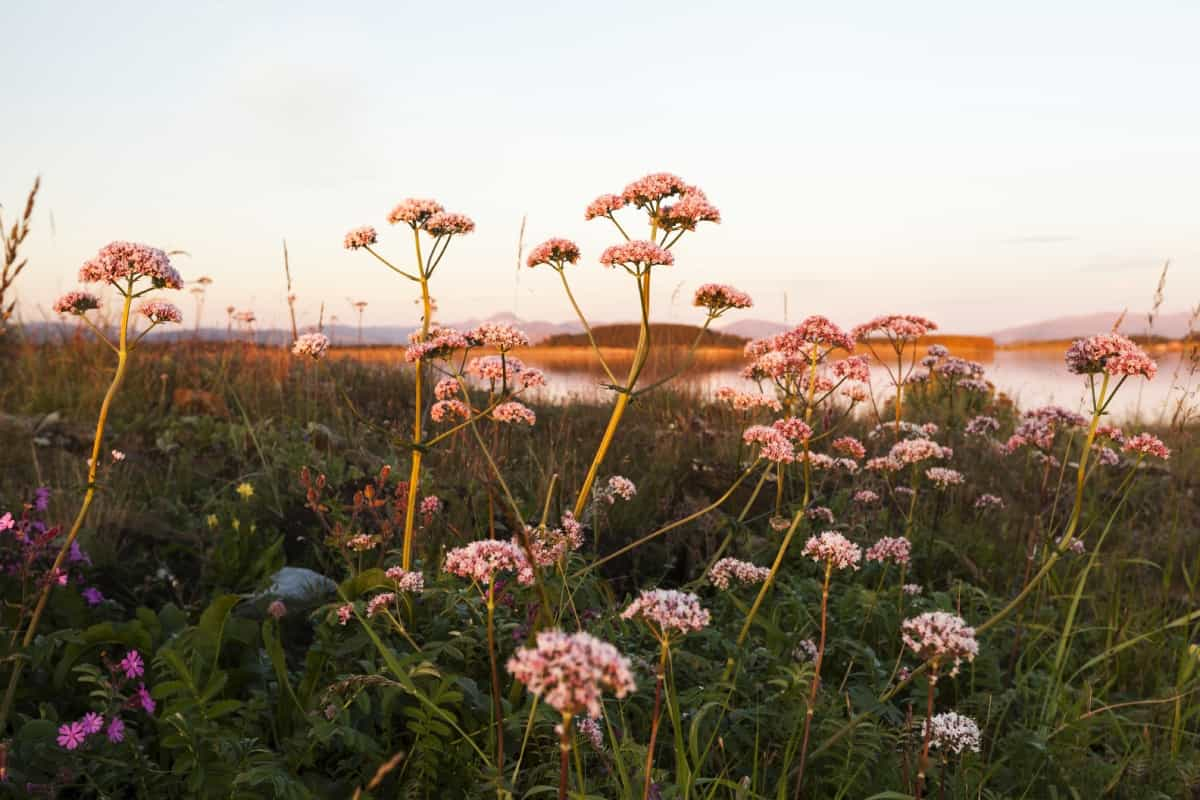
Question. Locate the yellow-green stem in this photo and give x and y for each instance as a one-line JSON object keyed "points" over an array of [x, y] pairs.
{"points": [[89, 495], [414, 475]]}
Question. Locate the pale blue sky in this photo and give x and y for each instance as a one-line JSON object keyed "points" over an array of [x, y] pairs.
{"points": [[983, 164]]}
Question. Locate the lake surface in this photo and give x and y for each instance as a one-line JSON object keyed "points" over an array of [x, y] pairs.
{"points": [[1030, 377]]}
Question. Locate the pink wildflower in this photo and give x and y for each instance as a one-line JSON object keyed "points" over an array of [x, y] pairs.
{"points": [[821, 513], [944, 478], [116, 730], [890, 549], [71, 735], [589, 729], [448, 409], [988, 501], [636, 254], [447, 223], [746, 401], [159, 311], [129, 261], [277, 609], [132, 665], [604, 205], [1111, 353], [951, 732], [548, 545], [406, 580], [361, 237], [912, 451], [1145, 444], [144, 699], [911, 589], [312, 345], [622, 487], [718, 297], [380, 602], [937, 635], [902, 327], [414, 211], [500, 335], [866, 497], [731, 569], [362, 542], [344, 612], [775, 445], [833, 548], [481, 560], [92, 723], [654, 188], [689, 211], [76, 303], [446, 389], [849, 446], [668, 610], [570, 672], [982, 425], [514, 413], [556, 252]]}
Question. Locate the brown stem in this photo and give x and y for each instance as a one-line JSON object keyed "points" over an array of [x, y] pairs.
{"points": [[923, 764], [658, 687], [816, 681], [499, 708], [564, 747]]}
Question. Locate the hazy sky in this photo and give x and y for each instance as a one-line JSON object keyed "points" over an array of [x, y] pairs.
{"points": [[983, 164]]}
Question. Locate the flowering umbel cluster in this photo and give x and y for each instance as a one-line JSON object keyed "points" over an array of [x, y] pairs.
{"points": [[668, 611], [571, 672], [939, 636]]}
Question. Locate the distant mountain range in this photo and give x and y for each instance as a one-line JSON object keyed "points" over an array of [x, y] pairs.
{"points": [[1172, 326]]}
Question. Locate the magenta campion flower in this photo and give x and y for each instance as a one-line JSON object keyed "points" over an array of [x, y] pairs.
{"points": [[414, 211], [92, 723], [361, 237], [132, 665], [71, 735], [901, 327], [447, 223], [1111, 353], [556, 252], [144, 699], [514, 413], [312, 345], [129, 261], [654, 188], [76, 302], [604, 205], [1145, 444], [570, 672], [731, 569], [835, 549], [938, 636], [718, 297], [116, 730], [667, 611], [481, 560], [636, 253], [160, 311], [890, 549]]}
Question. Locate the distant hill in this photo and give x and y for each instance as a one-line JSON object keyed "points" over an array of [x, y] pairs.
{"points": [[661, 334], [1172, 326], [753, 328]]}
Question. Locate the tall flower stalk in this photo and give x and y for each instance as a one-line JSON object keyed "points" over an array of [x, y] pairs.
{"points": [[429, 217], [134, 270], [666, 613], [837, 552]]}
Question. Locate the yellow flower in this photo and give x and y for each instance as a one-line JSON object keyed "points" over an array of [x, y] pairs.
{"points": [[212, 521], [237, 523], [245, 490]]}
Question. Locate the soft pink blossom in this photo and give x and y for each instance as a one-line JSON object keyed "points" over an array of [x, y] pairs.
{"points": [[668, 611], [514, 413], [76, 302], [406, 580], [939, 636], [447, 223], [361, 237], [890, 550], [718, 297], [312, 345], [414, 211], [570, 672], [556, 252], [128, 261], [159, 311], [481, 560], [731, 569], [833, 548], [1145, 444], [604, 205], [636, 253]]}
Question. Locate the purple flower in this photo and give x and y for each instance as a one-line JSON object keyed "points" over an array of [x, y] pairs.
{"points": [[116, 730], [41, 498], [132, 665], [71, 735], [92, 723], [143, 696], [93, 596], [76, 555]]}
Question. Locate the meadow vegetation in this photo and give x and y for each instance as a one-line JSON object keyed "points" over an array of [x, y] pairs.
{"points": [[233, 571]]}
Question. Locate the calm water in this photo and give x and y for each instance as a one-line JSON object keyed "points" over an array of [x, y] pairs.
{"points": [[1031, 378]]}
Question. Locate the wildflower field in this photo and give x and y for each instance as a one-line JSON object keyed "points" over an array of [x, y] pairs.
{"points": [[233, 571]]}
